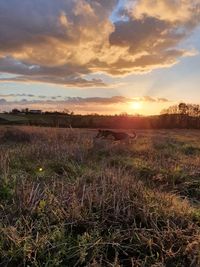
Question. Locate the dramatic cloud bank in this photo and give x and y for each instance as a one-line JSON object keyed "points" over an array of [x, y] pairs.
{"points": [[63, 42]]}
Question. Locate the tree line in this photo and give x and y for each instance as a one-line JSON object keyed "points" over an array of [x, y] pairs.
{"points": [[179, 116], [192, 110]]}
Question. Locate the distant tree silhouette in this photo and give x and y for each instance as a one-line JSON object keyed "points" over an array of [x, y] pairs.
{"points": [[181, 116], [183, 108], [192, 110]]}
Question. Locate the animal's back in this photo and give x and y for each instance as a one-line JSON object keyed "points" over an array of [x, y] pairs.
{"points": [[116, 135]]}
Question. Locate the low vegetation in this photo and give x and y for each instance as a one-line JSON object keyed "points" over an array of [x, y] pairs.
{"points": [[167, 120], [67, 199]]}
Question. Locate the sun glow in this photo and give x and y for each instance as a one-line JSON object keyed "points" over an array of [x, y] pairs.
{"points": [[136, 105]]}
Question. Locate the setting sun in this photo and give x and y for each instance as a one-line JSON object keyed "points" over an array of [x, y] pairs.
{"points": [[136, 105]]}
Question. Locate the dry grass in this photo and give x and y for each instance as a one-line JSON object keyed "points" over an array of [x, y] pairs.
{"points": [[69, 201]]}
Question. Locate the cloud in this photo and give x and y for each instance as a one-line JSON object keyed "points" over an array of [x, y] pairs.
{"points": [[150, 99], [63, 42], [65, 75], [181, 11], [2, 101], [80, 105], [16, 95], [84, 101]]}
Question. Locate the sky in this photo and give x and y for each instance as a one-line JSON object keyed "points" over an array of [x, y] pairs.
{"points": [[99, 56]]}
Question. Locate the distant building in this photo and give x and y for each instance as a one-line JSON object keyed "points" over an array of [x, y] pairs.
{"points": [[15, 111], [35, 111]]}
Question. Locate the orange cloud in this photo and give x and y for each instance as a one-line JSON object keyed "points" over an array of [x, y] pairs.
{"points": [[181, 11], [63, 41]]}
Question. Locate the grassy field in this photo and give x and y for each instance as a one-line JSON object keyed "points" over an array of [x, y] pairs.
{"points": [[66, 200]]}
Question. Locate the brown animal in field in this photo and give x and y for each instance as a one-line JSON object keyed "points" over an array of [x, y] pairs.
{"points": [[116, 136]]}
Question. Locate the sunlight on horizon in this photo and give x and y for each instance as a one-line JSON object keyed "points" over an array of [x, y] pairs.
{"points": [[136, 105]]}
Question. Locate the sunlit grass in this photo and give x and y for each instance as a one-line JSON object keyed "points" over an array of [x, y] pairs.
{"points": [[68, 201]]}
